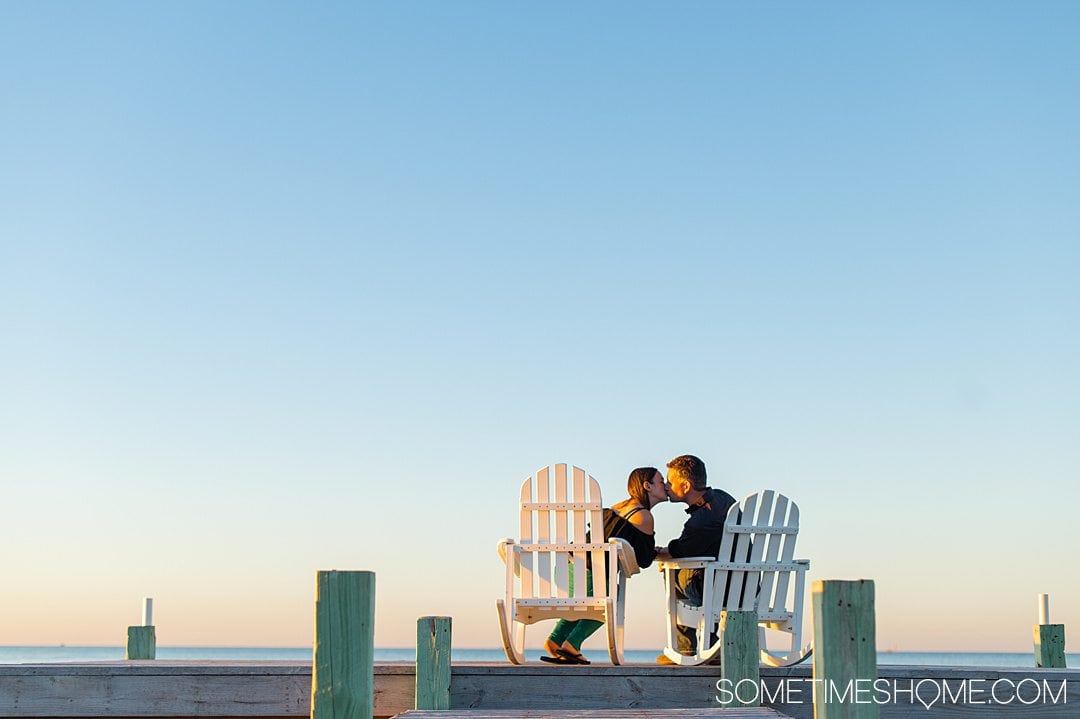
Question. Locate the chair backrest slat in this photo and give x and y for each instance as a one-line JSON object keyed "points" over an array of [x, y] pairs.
{"points": [[578, 522], [525, 531], [727, 543], [562, 564], [543, 534], [743, 542], [596, 522], [772, 552], [764, 514], [787, 553]]}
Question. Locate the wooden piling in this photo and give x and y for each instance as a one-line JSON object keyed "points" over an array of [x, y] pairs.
{"points": [[845, 650], [433, 662], [739, 656], [141, 643], [342, 678], [148, 611], [1049, 646]]}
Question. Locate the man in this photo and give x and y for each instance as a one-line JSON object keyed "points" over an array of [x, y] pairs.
{"points": [[708, 508]]}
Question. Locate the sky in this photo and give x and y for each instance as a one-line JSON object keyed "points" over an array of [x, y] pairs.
{"points": [[288, 287]]}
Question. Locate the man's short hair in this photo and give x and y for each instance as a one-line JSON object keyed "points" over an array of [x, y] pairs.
{"points": [[690, 467]]}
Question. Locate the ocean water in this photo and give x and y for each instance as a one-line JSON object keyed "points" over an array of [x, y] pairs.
{"points": [[33, 655]]}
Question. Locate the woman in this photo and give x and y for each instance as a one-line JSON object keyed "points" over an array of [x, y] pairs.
{"points": [[632, 520]]}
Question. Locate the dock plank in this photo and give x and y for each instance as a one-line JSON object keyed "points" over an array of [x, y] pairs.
{"points": [[177, 689], [734, 713], [731, 713]]}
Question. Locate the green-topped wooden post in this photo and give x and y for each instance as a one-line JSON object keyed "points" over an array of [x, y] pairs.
{"points": [[142, 640], [433, 662], [141, 643], [739, 656], [1049, 646], [343, 672], [845, 650], [1049, 638]]}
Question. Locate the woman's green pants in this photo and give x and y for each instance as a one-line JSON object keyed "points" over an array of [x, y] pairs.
{"points": [[579, 630]]}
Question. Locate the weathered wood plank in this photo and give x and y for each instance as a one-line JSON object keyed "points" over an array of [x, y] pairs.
{"points": [[342, 683], [162, 689], [1049, 646], [732, 713], [156, 696], [433, 662], [141, 643], [844, 646], [739, 658]]}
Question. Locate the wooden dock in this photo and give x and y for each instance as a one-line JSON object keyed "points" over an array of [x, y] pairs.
{"points": [[742, 713], [283, 689]]}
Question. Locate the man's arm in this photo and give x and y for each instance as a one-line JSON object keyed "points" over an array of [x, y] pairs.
{"points": [[695, 541]]}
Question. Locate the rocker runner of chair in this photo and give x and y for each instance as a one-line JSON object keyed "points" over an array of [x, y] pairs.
{"points": [[752, 572], [538, 588]]}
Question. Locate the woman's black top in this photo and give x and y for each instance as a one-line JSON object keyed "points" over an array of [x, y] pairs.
{"points": [[615, 525]]}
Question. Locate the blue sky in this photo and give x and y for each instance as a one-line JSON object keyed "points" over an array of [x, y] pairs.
{"points": [[290, 287]]}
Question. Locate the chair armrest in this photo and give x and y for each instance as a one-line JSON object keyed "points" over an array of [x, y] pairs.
{"points": [[685, 563], [505, 550], [805, 563], [627, 559]]}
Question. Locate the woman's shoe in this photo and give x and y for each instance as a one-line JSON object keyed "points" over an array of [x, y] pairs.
{"points": [[556, 660], [572, 657]]}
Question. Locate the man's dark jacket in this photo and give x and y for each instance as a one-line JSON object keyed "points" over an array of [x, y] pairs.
{"points": [[702, 532]]}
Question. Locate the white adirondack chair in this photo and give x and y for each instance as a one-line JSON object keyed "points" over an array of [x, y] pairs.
{"points": [[761, 530], [552, 544]]}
